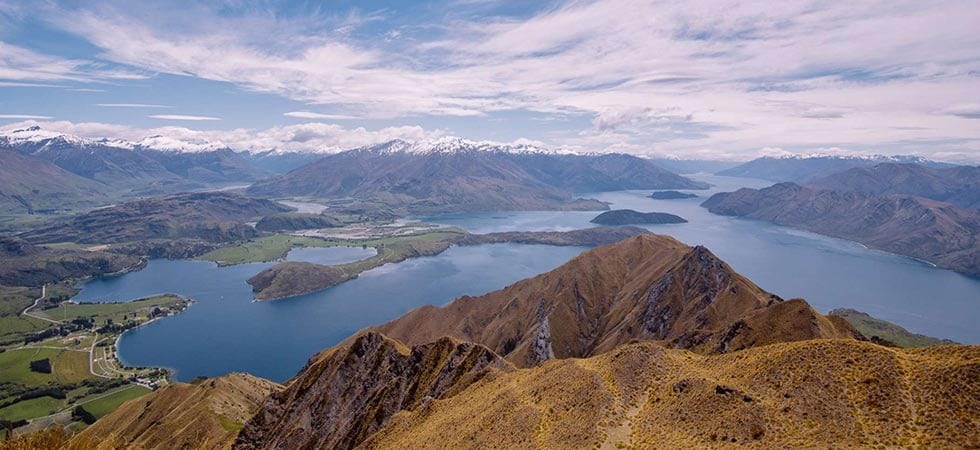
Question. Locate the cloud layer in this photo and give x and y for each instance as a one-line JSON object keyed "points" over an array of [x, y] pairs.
{"points": [[720, 78]]}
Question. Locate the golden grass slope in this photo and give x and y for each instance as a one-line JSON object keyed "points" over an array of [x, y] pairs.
{"points": [[810, 394], [205, 414]]}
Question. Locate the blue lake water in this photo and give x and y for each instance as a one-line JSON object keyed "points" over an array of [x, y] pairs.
{"points": [[225, 331]]}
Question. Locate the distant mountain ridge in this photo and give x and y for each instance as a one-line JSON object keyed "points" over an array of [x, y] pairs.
{"points": [[460, 175], [209, 216], [938, 232], [802, 168], [959, 185]]}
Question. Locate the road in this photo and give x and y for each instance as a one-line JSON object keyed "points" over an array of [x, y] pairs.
{"points": [[27, 311]]}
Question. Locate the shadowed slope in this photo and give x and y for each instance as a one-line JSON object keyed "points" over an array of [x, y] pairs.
{"points": [[352, 390]]}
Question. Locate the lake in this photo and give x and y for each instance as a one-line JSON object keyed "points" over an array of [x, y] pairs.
{"points": [[225, 331]]}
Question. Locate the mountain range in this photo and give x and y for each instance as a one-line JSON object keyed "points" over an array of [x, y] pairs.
{"points": [[642, 343], [959, 185], [209, 216], [800, 169], [938, 232], [459, 175], [94, 172]]}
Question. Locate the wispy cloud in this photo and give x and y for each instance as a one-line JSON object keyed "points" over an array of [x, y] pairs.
{"points": [[316, 115], [24, 116], [710, 78], [131, 105], [182, 117], [25, 66]]}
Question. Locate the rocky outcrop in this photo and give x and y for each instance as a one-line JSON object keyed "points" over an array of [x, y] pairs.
{"points": [[348, 393], [631, 217], [646, 287], [933, 231], [204, 414]]}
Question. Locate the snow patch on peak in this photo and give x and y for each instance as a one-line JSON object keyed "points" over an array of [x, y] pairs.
{"points": [[452, 145]]}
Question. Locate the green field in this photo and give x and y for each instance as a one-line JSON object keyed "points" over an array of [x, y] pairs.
{"points": [[67, 366], [29, 409], [115, 311], [267, 248], [105, 405]]}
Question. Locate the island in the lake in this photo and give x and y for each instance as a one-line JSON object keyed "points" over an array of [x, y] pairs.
{"points": [[671, 195], [631, 217]]}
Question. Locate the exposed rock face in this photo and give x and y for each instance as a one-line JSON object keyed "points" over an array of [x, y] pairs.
{"points": [[937, 232], [205, 414], [210, 216], [646, 287], [631, 217], [351, 391]]}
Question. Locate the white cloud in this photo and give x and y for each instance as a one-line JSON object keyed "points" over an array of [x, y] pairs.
{"points": [[720, 78], [27, 67], [316, 115], [182, 117], [306, 137], [24, 116], [131, 105]]}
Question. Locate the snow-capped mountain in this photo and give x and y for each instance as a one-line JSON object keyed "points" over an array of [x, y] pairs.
{"points": [[802, 168], [452, 144]]}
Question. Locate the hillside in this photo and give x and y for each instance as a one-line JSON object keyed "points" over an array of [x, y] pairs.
{"points": [[805, 168], [810, 394], [647, 287], [959, 185], [31, 185], [886, 332], [631, 217], [352, 392], [22, 264], [206, 413], [210, 216], [458, 175], [933, 231]]}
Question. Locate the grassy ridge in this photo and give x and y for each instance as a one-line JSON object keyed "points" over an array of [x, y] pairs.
{"points": [[872, 327]]}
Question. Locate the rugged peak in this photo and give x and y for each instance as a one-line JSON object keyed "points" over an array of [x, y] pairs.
{"points": [[646, 287], [347, 393]]}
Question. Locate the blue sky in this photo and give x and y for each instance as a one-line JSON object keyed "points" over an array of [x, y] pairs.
{"points": [[711, 79]]}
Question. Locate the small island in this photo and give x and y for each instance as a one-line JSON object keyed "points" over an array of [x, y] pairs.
{"points": [[631, 217], [671, 195]]}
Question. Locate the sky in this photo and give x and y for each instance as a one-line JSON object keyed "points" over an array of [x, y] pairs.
{"points": [[712, 79]]}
